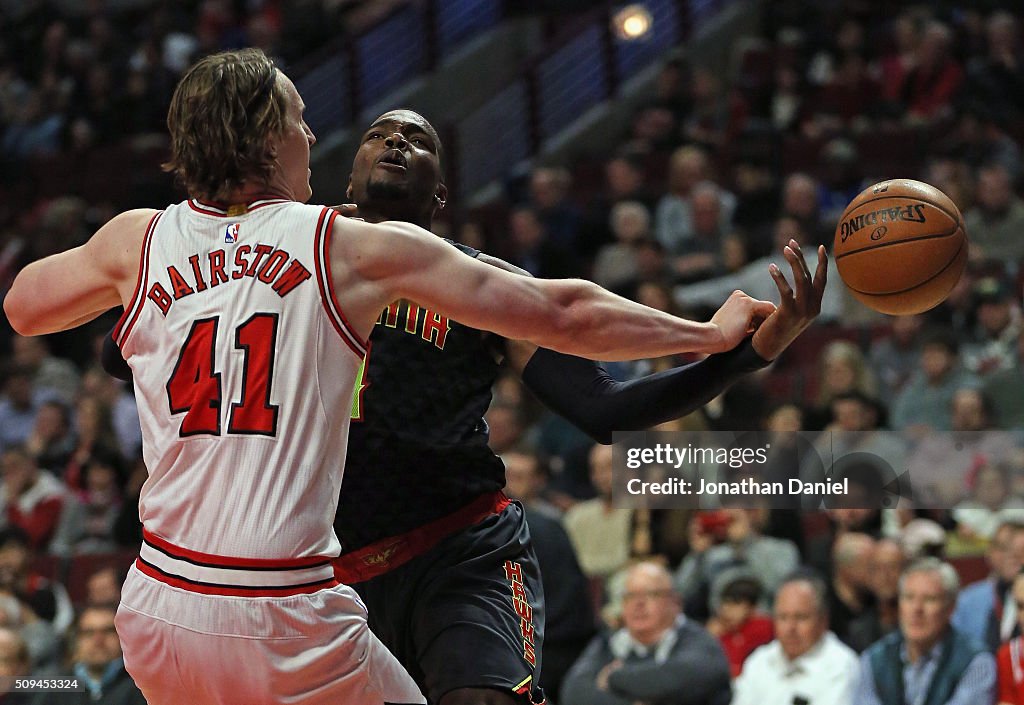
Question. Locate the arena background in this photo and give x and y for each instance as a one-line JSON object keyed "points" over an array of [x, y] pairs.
{"points": [[665, 166]]}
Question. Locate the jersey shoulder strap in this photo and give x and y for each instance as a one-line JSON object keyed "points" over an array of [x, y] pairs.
{"points": [[471, 251]]}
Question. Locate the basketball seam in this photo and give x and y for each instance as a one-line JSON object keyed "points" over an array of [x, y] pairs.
{"points": [[919, 284], [931, 236], [912, 198]]}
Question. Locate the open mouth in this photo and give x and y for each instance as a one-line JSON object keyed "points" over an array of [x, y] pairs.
{"points": [[393, 160]]}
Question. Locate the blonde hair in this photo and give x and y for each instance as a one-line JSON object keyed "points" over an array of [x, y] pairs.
{"points": [[223, 114], [846, 352]]}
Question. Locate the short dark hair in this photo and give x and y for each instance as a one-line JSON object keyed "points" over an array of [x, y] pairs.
{"points": [[16, 535], [92, 607], [743, 589]]}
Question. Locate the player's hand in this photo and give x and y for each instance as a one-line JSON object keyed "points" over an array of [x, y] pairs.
{"points": [[799, 306], [349, 210], [739, 316]]}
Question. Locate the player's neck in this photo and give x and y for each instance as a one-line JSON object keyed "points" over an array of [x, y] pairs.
{"points": [[255, 192]]}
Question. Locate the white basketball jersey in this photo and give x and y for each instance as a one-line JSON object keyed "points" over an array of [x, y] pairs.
{"points": [[244, 368]]}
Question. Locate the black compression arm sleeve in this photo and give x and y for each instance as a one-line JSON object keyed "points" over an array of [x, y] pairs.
{"points": [[112, 360], [582, 392]]}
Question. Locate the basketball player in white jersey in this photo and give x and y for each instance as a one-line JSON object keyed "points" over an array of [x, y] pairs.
{"points": [[246, 317]]}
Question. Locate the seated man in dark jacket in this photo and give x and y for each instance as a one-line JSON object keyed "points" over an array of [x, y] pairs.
{"points": [[926, 661], [97, 665], [657, 658]]}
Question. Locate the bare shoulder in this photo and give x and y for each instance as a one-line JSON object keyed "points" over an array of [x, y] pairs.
{"points": [[125, 228], [130, 221], [378, 250], [119, 241], [365, 259]]}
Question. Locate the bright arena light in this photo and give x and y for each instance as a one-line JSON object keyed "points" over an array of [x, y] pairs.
{"points": [[632, 22]]}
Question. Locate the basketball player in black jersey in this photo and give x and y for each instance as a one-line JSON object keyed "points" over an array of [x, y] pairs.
{"points": [[439, 554], [441, 557]]}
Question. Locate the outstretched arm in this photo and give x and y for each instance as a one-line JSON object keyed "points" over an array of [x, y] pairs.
{"points": [[377, 264], [585, 394], [582, 392], [70, 288]]}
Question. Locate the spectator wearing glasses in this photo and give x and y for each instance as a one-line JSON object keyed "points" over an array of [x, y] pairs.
{"points": [[97, 663], [658, 657]]}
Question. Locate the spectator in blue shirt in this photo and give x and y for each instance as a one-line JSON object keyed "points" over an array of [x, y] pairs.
{"points": [[927, 661]]}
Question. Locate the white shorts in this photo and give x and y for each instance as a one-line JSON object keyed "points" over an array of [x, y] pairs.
{"points": [[313, 648]]}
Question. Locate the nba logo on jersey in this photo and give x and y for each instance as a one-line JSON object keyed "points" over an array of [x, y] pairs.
{"points": [[231, 233]]}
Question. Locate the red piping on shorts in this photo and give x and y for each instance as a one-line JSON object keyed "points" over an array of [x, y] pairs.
{"points": [[387, 554]]}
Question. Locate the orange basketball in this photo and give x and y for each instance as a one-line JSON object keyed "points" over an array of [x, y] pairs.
{"points": [[901, 246]]}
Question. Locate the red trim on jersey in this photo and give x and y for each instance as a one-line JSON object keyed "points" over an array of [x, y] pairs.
{"points": [[231, 590], [213, 561], [220, 210], [387, 554], [322, 247], [330, 281], [199, 207], [138, 297]]}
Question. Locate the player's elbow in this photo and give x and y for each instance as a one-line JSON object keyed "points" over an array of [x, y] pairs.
{"points": [[574, 321], [563, 328], [560, 326]]}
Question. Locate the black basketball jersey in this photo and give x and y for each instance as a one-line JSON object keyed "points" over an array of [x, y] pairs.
{"points": [[417, 446]]}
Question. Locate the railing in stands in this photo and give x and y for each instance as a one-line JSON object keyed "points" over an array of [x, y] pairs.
{"points": [[390, 54], [580, 67], [583, 65], [355, 72], [329, 82], [463, 19], [571, 81], [494, 137]]}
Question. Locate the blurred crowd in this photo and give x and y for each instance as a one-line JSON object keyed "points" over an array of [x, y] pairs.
{"points": [[717, 170]]}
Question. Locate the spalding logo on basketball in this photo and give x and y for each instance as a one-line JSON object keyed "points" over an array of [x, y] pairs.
{"points": [[901, 246]]}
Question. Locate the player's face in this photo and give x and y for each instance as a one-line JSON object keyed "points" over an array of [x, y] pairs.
{"points": [[398, 161], [293, 149]]}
